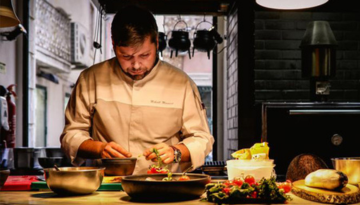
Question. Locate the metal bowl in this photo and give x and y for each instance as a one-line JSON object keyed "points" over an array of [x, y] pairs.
{"points": [[49, 162], [349, 166], [74, 180], [119, 166], [140, 189]]}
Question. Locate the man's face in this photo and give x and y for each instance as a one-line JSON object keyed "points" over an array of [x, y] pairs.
{"points": [[137, 61]]}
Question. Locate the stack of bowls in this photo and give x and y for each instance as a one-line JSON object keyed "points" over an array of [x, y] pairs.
{"points": [[257, 168]]}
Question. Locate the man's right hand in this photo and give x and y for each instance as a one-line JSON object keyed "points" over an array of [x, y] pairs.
{"points": [[114, 150]]}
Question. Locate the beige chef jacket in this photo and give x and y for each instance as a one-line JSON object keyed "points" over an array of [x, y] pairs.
{"points": [[163, 107]]}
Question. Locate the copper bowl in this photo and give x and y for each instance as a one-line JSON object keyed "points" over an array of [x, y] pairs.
{"points": [[349, 166], [119, 166]]}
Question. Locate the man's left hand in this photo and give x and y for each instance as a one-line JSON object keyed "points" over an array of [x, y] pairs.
{"points": [[166, 153]]}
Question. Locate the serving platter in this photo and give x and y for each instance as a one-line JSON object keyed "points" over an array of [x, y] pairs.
{"points": [[348, 195], [140, 189]]}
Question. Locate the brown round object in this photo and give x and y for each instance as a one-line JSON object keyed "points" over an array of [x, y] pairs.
{"points": [[302, 165]]}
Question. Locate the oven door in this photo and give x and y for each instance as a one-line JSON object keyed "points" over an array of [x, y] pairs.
{"points": [[325, 129]]}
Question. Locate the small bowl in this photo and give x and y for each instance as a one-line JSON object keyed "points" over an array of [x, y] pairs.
{"points": [[119, 166], [74, 180], [4, 173], [49, 162], [349, 166]]}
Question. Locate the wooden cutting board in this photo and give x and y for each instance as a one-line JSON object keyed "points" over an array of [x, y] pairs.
{"points": [[348, 195]]}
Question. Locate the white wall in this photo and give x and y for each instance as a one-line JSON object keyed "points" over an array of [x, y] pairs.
{"points": [[7, 53]]}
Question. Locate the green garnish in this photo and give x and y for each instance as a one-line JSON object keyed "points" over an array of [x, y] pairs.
{"points": [[154, 150], [168, 178]]}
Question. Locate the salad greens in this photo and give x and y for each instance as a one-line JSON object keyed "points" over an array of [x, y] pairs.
{"points": [[238, 191]]}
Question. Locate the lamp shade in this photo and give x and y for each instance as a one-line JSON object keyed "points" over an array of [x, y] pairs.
{"points": [[8, 17], [290, 4]]}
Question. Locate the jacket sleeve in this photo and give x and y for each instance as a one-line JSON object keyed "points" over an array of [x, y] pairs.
{"points": [[195, 129], [77, 119]]}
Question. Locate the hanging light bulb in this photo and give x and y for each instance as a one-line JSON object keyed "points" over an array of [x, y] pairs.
{"points": [[8, 17], [290, 4]]}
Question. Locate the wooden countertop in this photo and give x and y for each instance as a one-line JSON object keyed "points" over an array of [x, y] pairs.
{"points": [[99, 197]]}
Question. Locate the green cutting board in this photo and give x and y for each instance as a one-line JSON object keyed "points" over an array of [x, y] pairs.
{"points": [[41, 185]]}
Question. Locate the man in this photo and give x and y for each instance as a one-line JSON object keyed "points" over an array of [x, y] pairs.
{"points": [[128, 105]]}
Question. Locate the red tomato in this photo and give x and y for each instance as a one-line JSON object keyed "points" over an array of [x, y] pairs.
{"points": [[238, 181], [250, 179], [227, 183], [184, 178], [254, 195], [287, 187], [163, 171], [226, 190]]}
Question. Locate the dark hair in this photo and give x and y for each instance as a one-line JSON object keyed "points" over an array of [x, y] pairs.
{"points": [[132, 24]]}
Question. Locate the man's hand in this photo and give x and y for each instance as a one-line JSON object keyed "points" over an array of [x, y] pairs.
{"points": [[166, 153], [114, 150]]}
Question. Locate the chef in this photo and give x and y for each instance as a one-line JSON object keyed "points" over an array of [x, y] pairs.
{"points": [[128, 105]]}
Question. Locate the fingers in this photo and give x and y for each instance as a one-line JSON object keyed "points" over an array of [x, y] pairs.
{"points": [[113, 150], [119, 149], [166, 153]]}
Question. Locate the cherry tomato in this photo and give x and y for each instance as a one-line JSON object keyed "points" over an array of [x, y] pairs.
{"points": [[228, 183], [226, 190], [287, 186], [250, 179], [184, 178], [238, 181], [254, 194]]}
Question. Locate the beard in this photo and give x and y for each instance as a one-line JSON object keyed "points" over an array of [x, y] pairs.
{"points": [[137, 77]]}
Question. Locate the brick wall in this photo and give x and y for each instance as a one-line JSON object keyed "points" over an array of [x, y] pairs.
{"points": [[231, 140], [278, 57]]}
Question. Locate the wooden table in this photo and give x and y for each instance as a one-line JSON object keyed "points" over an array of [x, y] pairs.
{"points": [[100, 197]]}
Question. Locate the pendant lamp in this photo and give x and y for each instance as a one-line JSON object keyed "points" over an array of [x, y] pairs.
{"points": [[290, 4], [8, 17]]}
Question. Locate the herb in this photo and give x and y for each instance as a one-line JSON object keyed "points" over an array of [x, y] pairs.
{"points": [[156, 152], [168, 178]]}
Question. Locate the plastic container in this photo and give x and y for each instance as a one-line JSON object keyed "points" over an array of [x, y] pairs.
{"points": [[249, 163], [258, 168], [258, 172]]}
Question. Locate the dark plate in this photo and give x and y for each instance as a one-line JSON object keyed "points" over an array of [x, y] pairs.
{"points": [[139, 189]]}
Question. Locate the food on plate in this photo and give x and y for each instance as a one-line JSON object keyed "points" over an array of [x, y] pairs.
{"points": [[326, 179], [257, 151], [150, 179], [184, 178], [155, 169], [159, 168], [240, 191]]}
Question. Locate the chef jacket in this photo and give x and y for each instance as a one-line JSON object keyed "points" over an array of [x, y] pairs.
{"points": [[163, 107]]}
